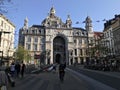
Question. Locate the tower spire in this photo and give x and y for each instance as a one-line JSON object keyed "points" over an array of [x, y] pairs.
{"points": [[68, 22], [52, 12], [88, 25], [26, 23]]}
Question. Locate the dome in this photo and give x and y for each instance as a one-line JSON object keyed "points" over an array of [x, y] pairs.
{"points": [[88, 19], [52, 20]]}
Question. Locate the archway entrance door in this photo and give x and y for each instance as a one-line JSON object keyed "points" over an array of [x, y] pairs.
{"points": [[59, 50], [58, 57]]}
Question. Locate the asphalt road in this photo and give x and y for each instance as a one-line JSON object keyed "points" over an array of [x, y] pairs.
{"points": [[75, 79], [48, 81], [109, 80]]}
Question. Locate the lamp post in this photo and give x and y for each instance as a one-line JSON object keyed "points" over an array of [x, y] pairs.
{"points": [[1, 57], [88, 49], [5, 32]]}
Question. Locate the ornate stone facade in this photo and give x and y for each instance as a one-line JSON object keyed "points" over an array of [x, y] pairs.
{"points": [[55, 41]]}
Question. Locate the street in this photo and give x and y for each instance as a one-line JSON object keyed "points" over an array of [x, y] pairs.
{"points": [[48, 81], [108, 78], [56, 45], [80, 80]]}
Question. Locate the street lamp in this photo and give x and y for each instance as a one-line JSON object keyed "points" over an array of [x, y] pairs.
{"points": [[3, 43], [88, 49]]}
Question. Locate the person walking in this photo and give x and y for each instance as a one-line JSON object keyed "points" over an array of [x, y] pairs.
{"points": [[62, 71], [22, 69], [12, 69], [17, 68], [3, 79], [54, 67]]}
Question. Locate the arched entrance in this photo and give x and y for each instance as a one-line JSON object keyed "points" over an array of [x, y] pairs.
{"points": [[58, 57], [59, 50]]}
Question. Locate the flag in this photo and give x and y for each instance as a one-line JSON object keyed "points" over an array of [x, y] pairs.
{"points": [[104, 20], [83, 21], [97, 21], [77, 22]]}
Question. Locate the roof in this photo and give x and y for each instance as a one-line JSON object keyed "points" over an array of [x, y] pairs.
{"points": [[79, 28], [99, 34], [110, 22], [38, 26], [1, 15]]}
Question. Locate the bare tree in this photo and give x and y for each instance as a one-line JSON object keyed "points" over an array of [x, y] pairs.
{"points": [[3, 4]]}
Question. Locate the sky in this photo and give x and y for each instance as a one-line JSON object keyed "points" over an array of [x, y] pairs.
{"points": [[37, 10]]}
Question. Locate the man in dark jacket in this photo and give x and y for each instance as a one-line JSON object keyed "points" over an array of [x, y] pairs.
{"points": [[17, 68], [22, 69], [62, 71]]}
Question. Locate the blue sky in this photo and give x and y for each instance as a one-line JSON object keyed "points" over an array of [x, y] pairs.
{"points": [[37, 10]]}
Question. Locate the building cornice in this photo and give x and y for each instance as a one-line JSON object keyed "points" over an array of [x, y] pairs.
{"points": [[1, 15]]}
